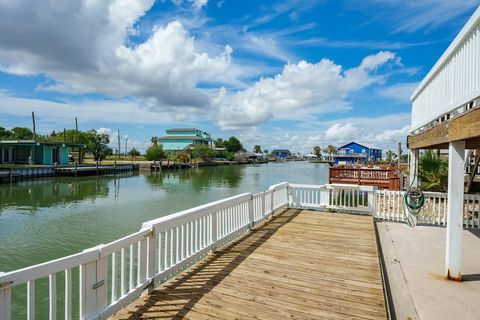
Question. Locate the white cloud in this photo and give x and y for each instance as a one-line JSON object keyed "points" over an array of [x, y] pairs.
{"points": [[301, 90], [341, 132], [382, 131], [198, 4], [399, 91], [113, 111], [414, 15], [84, 47]]}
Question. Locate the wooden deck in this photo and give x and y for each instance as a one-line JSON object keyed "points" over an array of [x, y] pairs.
{"points": [[301, 265]]}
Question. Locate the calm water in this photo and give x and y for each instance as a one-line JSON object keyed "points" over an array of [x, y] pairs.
{"points": [[50, 218]]}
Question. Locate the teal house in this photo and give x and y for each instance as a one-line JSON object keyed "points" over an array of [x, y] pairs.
{"points": [[35, 152], [182, 139]]}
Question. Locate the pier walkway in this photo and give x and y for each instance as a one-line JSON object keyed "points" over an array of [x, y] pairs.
{"points": [[299, 265]]}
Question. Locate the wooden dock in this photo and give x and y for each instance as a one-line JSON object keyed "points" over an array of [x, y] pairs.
{"points": [[301, 264], [95, 170]]}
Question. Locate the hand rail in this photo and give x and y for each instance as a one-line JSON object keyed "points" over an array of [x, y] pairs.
{"points": [[167, 245], [132, 264]]}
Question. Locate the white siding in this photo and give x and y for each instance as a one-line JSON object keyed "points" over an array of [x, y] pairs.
{"points": [[454, 80]]}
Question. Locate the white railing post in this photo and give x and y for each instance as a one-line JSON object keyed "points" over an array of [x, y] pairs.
{"points": [[93, 285], [151, 254], [87, 279], [372, 203], [5, 300], [251, 216], [324, 196], [264, 208], [273, 201], [101, 285], [214, 226]]}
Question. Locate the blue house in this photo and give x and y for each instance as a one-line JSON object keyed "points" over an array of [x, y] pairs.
{"points": [[355, 152], [182, 139], [280, 153]]}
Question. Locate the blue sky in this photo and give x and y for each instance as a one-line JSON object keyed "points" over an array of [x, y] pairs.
{"points": [[282, 74]]}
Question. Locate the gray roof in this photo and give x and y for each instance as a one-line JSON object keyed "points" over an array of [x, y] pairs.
{"points": [[182, 129], [197, 138]]}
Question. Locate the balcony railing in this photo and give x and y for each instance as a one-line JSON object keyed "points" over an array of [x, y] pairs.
{"points": [[111, 275]]}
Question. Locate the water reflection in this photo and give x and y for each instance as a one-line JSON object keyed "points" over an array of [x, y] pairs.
{"points": [[32, 195], [201, 178]]}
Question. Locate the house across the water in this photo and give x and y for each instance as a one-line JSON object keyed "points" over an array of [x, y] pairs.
{"points": [[182, 139], [281, 153], [354, 152], [35, 152]]}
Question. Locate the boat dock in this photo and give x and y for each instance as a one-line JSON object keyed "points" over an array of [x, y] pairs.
{"points": [[95, 170], [9, 175], [301, 264]]}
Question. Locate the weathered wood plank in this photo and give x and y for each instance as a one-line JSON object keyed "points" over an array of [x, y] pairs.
{"points": [[301, 264], [463, 127]]}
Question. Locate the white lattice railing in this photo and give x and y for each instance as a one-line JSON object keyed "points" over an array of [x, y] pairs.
{"points": [[99, 281]]}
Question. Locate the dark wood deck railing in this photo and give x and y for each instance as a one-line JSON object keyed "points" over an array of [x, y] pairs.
{"points": [[362, 176]]}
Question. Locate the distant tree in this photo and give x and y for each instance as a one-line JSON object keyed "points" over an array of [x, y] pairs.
{"points": [[391, 156], [97, 144], [265, 151], [21, 133], [5, 134], [257, 149], [331, 149], [219, 143], [154, 140], [182, 157], [203, 152], [155, 152], [233, 145], [317, 151], [134, 153]]}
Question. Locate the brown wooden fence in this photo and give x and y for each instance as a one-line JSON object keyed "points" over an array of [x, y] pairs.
{"points": [[384, 178]]}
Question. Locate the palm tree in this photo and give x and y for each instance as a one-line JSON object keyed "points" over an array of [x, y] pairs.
{"points": [[154, 140], [390, 156], [317, 151], [257, 149], [331, 149], [433, 172]]}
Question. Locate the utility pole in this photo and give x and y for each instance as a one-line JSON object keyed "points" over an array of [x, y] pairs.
{"points": [[399, 154], [33, 121], [126, 141], [118, 137]]}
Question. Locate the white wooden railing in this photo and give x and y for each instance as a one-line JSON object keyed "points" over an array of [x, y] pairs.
{"points": [[454, 80], [111, 275]]}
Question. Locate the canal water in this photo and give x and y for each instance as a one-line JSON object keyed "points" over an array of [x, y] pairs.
{"points": [[49, 218]]}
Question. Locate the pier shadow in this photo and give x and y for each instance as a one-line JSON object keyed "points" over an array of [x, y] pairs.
{"points": [[176, 298]]}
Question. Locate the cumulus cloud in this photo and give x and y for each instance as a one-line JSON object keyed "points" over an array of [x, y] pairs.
{"points": [[301, 90], [400, 91], [84, 47]]}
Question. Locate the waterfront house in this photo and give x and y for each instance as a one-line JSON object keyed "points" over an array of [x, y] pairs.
{"points": [[182, 139], [281, 153], [354, 152], [35, 152], [446, 115]]}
